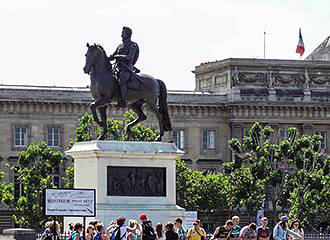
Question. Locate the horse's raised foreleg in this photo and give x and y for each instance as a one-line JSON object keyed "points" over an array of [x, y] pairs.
{"points": [[154, 108], [137, 108]]}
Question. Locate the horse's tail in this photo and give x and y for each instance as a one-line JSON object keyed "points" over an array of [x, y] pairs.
{"points": [[162, 106]]}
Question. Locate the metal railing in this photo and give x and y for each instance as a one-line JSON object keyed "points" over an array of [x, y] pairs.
{"points": [[317, 236]]}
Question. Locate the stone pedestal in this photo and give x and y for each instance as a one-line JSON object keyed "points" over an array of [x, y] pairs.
{"points": [[129, 178]]}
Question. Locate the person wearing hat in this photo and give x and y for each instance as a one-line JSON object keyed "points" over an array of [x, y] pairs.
{"points": [[234, 234], [281, 230], [196, 233], [263, 232], [148, 232]]}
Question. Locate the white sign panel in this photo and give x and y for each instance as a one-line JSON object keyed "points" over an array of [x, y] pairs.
{"points": [[190, 218], [70, 202]]}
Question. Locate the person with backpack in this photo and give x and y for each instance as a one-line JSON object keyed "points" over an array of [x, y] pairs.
{"points": [[148, 232], [120, 231], [78, 228]]}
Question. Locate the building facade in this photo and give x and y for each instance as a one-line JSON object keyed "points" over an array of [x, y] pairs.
{"points": [[230, 95]]}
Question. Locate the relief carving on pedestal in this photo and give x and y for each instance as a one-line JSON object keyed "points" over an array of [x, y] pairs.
{"points": [[136, 181]]}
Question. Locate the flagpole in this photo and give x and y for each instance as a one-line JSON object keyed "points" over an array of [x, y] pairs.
{"points": [[264, 44]]}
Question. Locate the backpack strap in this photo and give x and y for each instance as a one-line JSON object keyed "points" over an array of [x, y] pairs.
{"points": [[198, 232]]}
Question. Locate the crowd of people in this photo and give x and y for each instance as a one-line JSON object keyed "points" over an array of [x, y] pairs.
{"points": [[119, 230], [232, 231]]}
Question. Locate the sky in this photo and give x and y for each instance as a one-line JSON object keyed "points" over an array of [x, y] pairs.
{"points": [[43, 42]]}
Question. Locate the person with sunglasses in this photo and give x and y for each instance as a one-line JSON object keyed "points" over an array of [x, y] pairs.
{"points": [[295, 227], [196, 233]]}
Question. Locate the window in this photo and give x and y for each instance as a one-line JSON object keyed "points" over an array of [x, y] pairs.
{"points": [[208, 139], [283, 135], [18, 186], [323, 136], [221, 80], [53, 137], [245, 132], [204, 83], [209, 170], [20, 136], [56, 177], [178, 138]]}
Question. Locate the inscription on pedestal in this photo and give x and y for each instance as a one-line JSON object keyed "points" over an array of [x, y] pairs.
{"points": [[136, 181]]}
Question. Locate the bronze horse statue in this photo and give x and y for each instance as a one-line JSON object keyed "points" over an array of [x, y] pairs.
{"points": [[142, 89]]}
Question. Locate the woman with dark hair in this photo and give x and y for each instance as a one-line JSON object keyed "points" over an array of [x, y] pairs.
{"points": [[52, 232], [78, 228], [170, 234], [90, 232], [281, 231], [100, 235], [295, 227], [159, 231]]}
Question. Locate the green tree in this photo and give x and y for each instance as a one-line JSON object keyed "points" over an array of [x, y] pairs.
{"points": [[309, 187], [279, 164], [36, 166], [198, 191], [243, 189], [116, 128]]}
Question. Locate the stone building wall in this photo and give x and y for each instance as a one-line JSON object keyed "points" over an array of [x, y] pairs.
{"points": [[235, 94]]}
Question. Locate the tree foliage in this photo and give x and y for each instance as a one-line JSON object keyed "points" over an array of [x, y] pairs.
{"points": [[294, 173], [199, 191], [36, 167], [243, 189], [117, 129]]}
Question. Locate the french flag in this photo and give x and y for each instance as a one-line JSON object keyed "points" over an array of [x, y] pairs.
{"points": [[300, 48]]}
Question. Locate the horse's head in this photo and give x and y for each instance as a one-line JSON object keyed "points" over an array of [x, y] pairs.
{"points": [[96, 55]]}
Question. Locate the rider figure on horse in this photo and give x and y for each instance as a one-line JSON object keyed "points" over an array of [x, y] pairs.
{"points": [[126, 56]]}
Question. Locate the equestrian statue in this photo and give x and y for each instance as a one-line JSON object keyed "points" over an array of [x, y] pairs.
{"points": [[122, 82]]}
